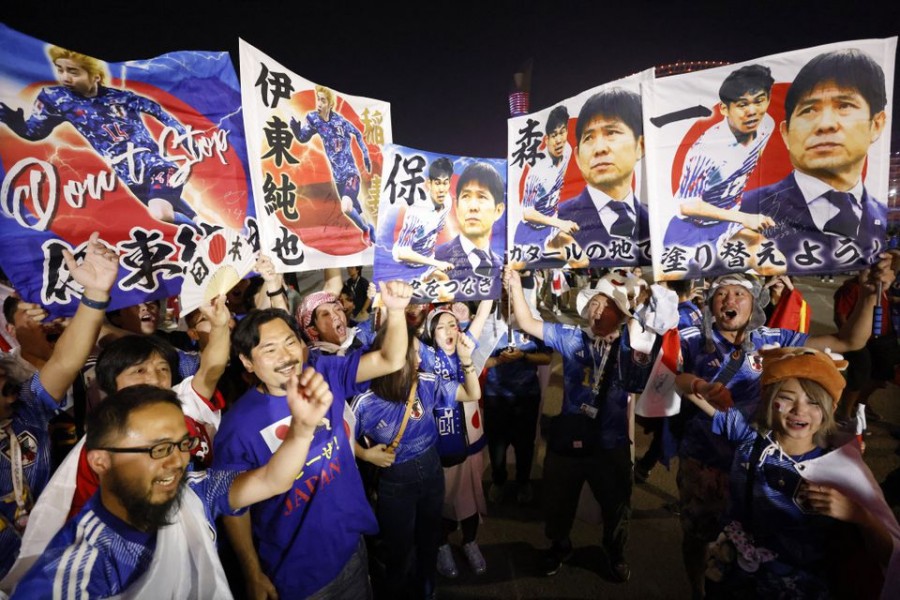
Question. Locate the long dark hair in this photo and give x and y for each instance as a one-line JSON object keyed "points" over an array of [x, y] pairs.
{"points": [[394, 387]]}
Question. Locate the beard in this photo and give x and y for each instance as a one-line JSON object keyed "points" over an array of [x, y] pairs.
{"points": [[142, 513]]}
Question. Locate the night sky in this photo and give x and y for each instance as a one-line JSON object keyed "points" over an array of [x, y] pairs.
{"points": [[446, 67]]}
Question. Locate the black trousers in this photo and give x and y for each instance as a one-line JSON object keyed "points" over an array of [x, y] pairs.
{"points": [[609, 475], [511, 421]]}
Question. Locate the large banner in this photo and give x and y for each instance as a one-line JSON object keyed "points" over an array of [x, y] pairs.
{"points": [[442, 224], [775, 165], [577, 181], [316, 166], [149, 152]]}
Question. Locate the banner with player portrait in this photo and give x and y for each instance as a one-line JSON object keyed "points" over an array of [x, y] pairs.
{"points": [[150, 153], [441, 224], [315, 164], [577, 181], [774, 165]]}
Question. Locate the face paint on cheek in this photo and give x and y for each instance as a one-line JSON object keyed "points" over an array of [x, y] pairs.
{"points": [[782, 408]]}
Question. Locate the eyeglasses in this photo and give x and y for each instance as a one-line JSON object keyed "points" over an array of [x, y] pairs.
{"points": [[162, 449]]}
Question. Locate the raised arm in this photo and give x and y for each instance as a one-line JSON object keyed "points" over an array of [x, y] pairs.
{"points": [[214, 357], [481, 316], [391, 356], [858, 327], [470, 390], [96, 274], [524, 318], [273, 284], [309, 399], [333, 282]]}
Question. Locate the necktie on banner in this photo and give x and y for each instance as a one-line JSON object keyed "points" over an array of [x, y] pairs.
{"points": [[845, 222], [483, 267], [660, 398], [624, 225]]}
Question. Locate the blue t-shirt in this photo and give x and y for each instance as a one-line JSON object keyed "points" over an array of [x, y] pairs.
{"points": [[515, 379], [699, 442], [689, 315], [32, 412], [98, 555], [380, 419], [779, 521], [580, 361], [305, 536]]}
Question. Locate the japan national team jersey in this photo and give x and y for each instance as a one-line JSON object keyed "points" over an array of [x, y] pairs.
{"points": [[111, 122], [336, 137], [97, 555], [518, 378], [305, 536], [779, 522], [580, 362], [717, 167], [32, 413], [379, 419], [699, 441], [421, 225], [543, 184]]}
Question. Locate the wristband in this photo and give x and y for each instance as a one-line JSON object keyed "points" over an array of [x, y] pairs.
{"points": [[277, 292], [95, 304], [466, 366], [694, 386]]}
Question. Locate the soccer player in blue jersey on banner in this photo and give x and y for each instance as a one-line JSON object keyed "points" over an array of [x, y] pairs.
{"points": [[717, 167], [540, 224], [337, 134], [111, 121]]}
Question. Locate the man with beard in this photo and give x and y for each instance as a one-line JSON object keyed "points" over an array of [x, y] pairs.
{"points": [[309, 539], [144, 533], [721, 363], [588, 441]]}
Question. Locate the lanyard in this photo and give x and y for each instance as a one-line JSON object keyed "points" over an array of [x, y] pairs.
{"points": [[599, 355], [18, 476]]}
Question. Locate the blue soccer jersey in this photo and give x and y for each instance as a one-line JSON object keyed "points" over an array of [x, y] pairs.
{"points": [[718, 165], [780, 520], [514, 379], [32, 412], [421, 225], [699, 442], [336, 133], [379, 419], [306, 535], [112, 124], [97, 555], [581, 361]]}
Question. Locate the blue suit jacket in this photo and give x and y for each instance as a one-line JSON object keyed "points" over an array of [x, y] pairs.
{"points": [[596, 241], [795, 234], [453, 252]]}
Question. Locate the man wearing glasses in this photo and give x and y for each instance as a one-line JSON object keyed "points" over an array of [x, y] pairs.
{"points": [[144, 532]]}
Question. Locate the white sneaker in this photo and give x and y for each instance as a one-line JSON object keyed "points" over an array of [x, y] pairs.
{"points": [[446, 566], [475, 558]]}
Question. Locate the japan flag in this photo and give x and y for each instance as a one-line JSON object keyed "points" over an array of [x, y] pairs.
{"points": [[275, 433]]}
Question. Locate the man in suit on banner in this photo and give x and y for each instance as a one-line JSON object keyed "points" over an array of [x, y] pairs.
{"points": [[479, 204], [825, 219], [613, 224]]}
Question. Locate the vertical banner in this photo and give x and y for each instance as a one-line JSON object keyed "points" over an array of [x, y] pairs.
{"points": [[576, 181], [776, 165], [149, 152], [442, 224], [316, 166]]}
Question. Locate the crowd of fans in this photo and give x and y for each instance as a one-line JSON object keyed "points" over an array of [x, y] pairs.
{"points": [[335, 441]]}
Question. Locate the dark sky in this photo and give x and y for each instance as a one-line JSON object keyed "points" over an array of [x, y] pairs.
{"points": [[446, 66]]}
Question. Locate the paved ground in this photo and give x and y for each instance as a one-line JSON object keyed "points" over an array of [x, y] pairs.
{"points": [[511, 536]]}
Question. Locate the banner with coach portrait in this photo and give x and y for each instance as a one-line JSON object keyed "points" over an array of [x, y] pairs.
{"points": [[315, 164], [150, 153], [577, 181], [441, 224], [774, 165]]}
